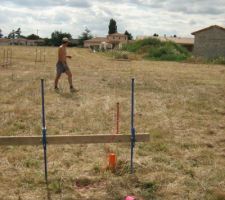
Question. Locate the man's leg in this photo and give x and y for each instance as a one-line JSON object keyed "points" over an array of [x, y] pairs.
{"points": [[57, 80], [69, 74]]}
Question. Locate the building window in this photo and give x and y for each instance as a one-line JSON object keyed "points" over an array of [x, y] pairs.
{"points": [[119, 38]]}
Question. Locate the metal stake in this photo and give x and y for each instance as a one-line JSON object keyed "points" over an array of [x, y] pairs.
{"points": [[44, 140], [132, 127]]}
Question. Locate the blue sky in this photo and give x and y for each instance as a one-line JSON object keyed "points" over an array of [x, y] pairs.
{"points": [[140, 17]]}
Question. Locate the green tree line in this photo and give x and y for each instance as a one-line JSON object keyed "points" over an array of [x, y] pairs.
{"points": [[57, 36]]}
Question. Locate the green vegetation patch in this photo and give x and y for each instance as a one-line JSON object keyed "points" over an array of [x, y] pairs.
{"points": [[154, 49]]}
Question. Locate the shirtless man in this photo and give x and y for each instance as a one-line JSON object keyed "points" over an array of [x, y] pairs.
{"points": [[62, 67]]}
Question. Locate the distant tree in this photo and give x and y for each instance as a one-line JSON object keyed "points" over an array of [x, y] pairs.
{"points": [[33, 37], [1, 35], [23, 36], [14, 34], [129, 35], [112, 26], [11, 35], [86, 35], [18, 33], [57, 36], [156, 35], [47, 42], [175, 36]]}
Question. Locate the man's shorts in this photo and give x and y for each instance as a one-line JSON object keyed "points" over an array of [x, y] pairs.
{"points": [[61, 68]]}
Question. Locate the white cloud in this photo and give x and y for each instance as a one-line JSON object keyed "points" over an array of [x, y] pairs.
{"points": [[140, 17]]}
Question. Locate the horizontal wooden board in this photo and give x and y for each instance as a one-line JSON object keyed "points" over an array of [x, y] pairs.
{"points": [[71, 139]]}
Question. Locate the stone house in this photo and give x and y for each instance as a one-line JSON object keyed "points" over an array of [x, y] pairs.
{"points": [[111, 41], [94, 42], [210, 42], [117, 38]]}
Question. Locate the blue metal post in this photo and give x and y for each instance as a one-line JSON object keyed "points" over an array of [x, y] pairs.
{"points": [[44, 140], [132, 127]]}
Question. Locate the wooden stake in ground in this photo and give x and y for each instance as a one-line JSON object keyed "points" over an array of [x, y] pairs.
{"points": [[40, 55], [6, 57]]}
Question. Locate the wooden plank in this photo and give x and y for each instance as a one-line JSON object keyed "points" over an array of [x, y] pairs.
{"points": [[71, 139]]}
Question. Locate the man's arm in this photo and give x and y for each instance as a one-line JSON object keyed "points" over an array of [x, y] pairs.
{"points": [[66, 54]]}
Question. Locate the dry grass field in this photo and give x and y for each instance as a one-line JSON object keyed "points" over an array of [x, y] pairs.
{"points": [[182, 107]]}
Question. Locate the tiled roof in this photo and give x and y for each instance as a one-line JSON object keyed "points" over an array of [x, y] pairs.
{"points": [[207, 28], [97, 39], [178, 40], [117, 34]]}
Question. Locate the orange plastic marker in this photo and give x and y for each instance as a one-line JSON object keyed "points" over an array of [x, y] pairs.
{"points": [[112, 161]]}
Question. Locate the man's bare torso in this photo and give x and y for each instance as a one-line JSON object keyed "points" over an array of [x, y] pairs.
{"points": [[62, 54]]}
